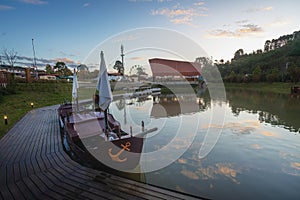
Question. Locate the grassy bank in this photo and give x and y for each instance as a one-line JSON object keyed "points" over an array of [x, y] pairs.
{"points": [[41, 94], [278, 87]]}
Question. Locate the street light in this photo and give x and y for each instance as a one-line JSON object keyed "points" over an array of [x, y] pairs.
{"points": [[5, 119]]}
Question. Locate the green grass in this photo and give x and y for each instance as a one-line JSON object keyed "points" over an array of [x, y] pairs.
{"points": [[276, 87], [41, 94]]}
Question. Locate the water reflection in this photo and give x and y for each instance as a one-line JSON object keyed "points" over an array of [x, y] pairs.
{"points": [[256, 148], [175, 105], [274, 109]]}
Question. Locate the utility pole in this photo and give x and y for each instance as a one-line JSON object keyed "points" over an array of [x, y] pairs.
{"points": [[122, 56], [34, 61]]}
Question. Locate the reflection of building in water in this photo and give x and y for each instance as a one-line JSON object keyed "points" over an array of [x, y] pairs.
{"points": [[174, 70], [171, 105]]}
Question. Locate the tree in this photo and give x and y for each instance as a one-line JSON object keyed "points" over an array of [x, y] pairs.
{"points": [[239, 53], [259, 51], [273, 76], [232, 76], [11, 57], [49, 69], [294, 73], [256, 74], [59, 65], [120, 104], [82, 67], [267, 46], [204, 61], [119, 67], [140, 70], [61, 69], [83, 72]]}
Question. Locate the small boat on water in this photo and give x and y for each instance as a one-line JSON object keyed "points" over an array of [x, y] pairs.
{"points": [[96, 137]]}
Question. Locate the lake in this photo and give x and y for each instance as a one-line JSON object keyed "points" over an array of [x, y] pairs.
{"points": [[256, 153]]}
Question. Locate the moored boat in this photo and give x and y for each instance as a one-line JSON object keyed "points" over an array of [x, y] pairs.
{"points": [[95, 137]]}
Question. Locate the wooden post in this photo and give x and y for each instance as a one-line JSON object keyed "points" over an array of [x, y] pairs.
{"points": [[143, 126], [28, 76]]}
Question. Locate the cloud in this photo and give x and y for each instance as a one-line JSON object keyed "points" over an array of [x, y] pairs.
{"points": [[64, 54], [256, 146], [200, 3], [220, 169], [179, 15], [41, 62], [295, 165], [260, 9], [281, 22], [65, 60], [250, 28], [5, 7], [86, 5], [189, 174], [182, 20], [242, 21], [34, 2], [182, 161], [171, 13], [268, 134], [137, 58], [244, 30], [126, 37]]}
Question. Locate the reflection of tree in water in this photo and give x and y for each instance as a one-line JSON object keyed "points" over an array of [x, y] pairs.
{"points": [[268, 118], [204, 102], [275, 109], [236, 111], [120, 104]]}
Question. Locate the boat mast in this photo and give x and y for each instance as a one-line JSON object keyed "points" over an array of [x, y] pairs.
{"points": [[34, 61]]}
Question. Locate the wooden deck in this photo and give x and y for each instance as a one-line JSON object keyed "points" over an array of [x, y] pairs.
{"points": [[35, 166]]}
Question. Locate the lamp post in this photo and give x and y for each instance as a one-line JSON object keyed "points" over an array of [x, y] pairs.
{"points": [[5, 119], [31, 104]]}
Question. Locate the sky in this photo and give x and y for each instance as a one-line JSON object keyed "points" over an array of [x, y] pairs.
{"points": [[68, 30]]}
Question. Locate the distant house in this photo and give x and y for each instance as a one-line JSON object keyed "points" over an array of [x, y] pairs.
{"points": [[4, 78], [173, 70], [48, 77], [20, 72]]}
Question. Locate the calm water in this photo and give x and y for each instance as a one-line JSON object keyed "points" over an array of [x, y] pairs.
{"points": [[257, 155]]}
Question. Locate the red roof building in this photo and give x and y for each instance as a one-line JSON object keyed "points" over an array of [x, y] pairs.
{"points": [[164, 67]]}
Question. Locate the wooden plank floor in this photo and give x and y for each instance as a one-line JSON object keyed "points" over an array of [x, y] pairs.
{"points": [[34, 166]]}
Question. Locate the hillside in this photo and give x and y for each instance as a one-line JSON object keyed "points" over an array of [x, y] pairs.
{"points": [[280, 61]]}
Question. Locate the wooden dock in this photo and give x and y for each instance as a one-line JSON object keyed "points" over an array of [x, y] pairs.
{"points": [[35, 166]]}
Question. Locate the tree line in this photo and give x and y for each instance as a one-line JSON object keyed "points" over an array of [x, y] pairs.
{"points": [[278, 61]]}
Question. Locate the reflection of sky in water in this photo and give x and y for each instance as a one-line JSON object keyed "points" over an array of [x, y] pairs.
{"points": [[251, 160]]}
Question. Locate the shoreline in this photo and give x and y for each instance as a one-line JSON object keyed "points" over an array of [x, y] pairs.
{"points": [[17, 105]]}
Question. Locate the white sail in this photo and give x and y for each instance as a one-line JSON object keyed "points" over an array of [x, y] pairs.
{"points": [[75, 87]]}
